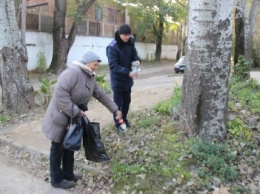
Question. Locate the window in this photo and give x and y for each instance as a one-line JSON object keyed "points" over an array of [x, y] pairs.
{"points": [[98, 14], [112, 16]]}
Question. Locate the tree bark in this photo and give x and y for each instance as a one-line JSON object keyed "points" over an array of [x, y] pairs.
{"points": [[158, 48], [244, 28], [61, 43], [206, 78], [184, 40], [23, 22], [17, 93], [249, 32], [239, 29]]}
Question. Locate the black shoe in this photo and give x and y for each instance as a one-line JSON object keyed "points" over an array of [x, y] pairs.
{"points": [[120, 129], [128, 124], [64, 184], [75, 178]]}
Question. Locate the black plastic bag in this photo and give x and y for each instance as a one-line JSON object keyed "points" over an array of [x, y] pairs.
{"points": [[93, 146]]}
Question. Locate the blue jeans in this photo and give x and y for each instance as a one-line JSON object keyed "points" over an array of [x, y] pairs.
{"points": [[61, 163], [122, 100]]}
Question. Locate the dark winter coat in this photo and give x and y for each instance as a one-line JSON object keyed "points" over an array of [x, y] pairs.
{"points": [[75, 85], [120, 57]]}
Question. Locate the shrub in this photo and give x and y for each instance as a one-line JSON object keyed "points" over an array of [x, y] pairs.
{"points": [[236, 128], [246, 93], [242, 68], [215, 160], [46, 90], [41, 63], [102, 82], [171, 106]]}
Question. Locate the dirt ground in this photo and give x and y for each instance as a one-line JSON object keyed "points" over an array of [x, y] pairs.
{"points": [[153, 85]]}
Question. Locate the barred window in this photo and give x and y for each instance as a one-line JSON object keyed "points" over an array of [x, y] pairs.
{"points": [[112, 15], [98, 13]]}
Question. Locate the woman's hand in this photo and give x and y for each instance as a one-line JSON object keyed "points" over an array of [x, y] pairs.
{"points": [[82, 113], [118, 114]]}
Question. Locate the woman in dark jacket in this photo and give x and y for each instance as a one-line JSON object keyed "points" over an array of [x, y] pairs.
{"points": [[75, 85], [121, 53]]}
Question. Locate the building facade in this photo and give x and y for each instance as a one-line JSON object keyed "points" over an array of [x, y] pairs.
{"points": [[102, 19]]}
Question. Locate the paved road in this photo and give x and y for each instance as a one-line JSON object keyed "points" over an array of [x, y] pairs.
{"points": [[255, 75], [15, 180]]}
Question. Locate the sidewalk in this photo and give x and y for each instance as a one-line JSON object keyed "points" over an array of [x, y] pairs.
{"points": [[29, 135]]}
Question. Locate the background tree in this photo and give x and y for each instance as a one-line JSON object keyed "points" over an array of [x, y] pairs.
{"points": [[181, 40], [61, 42], [239, 29], [23, 21], [182, 31], [151, 17], [206, 78], [249, 31], [244, 28], [17, 93]]}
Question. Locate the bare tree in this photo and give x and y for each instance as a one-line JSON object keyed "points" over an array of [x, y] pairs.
{"points": [[17, 93], [61, 42], [206, 78]]}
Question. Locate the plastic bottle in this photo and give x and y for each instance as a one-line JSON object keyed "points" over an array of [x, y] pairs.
{"points": [[122, 124], [135, 66]]}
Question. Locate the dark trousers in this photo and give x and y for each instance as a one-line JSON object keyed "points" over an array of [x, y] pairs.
{"points": [[61, 163], [122, 100]]}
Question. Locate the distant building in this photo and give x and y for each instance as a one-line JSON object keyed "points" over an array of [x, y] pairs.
{"points": [[101, 19]]}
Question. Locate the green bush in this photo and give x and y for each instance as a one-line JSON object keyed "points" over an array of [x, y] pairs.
{"points": [[242, 68], [172, 105], [237, 128], [4, 118], [215, 160], [41, 63], [46, 90], [247, 93], [102, 82]]}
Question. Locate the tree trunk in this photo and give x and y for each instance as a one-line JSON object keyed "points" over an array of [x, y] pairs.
{"points": [[180, 34], [206, 78], [17, 93], [249, 32], [239, 30], [23, 22], [159, 36], [184, 39], [61, 44]]}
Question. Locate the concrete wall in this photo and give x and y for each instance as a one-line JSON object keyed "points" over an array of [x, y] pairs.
{"points": [[42, 42]]}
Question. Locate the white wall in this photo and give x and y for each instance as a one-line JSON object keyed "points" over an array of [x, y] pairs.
{"points": [[42, 42]]}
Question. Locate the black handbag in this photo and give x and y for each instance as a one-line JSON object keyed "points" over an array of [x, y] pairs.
{"points": [[72, 138], [93, 146]]}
